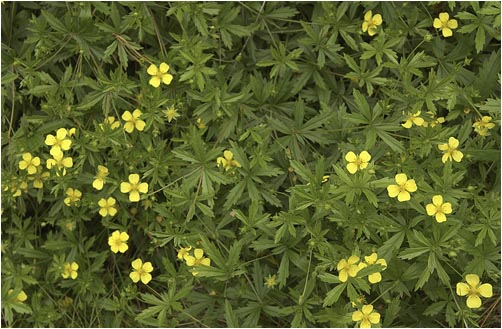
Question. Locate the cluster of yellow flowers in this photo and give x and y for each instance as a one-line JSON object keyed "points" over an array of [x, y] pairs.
{"points": [[193, 260], [58, 144], [443, 23], [227, 161], [482, 126], [351, 266]]}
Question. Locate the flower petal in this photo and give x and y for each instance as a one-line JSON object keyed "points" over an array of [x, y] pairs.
{"points": [[375, 277], [371, 259], [127, 116], [134, 276], [457, 155], [410, 185], [485, 290], [137, 264], [447, 32], [146, 277], [377, 19], [368, 15], [473, 301], [167, 78], [134, 196], [143, 187], [343, 276], [444, 17], [401, 179], [140, 125], [393, 190], [462, 288], [351, 157], [446, 208], [472, 280], [437, 200], [155, 82], [163, 68], [403, 196], [440, 217], [437, 23], [365, 156], [453, 142], [374, 317], [352, 167], [357, 316], [134, 178], [147, 267], [198, 253], [431, 209], [452, 24], [125, 187], [152, 70]]}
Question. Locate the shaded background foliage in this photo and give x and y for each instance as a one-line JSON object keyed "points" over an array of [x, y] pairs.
{"points": [[289, 88]]}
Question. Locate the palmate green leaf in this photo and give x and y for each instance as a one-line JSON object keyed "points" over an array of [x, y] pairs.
{"points": [[334, 294]]}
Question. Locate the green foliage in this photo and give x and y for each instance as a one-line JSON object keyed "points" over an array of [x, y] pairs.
{"points": [[254, 204]]}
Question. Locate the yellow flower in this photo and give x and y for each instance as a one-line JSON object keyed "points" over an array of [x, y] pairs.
{"points": [[59, 142], [20, 298], [482, 126], [107, 207], [110, 121], [171, 113], [347, 267], [72, 196], [133, 121], [357, 161], [200, 124], [118, 242], [227, 161], [39, 177], [70, 271], [100, 178], [183, 252], [402, 189], [371, 22], [158, 74], [438, 209], [197, 259], [134, 187], [141, 271], [366, 316], [29, 163], [450, 150], [60, 162], [72, 132], [271, 281], [17, 187], [370, 260], [445, 24], [413, 119], [473, 290]]}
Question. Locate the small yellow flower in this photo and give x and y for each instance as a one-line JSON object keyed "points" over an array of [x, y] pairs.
{"points": [[366, 316], [133, 187], [347, 267], [371, 22], [60, 162], [413, 119], [473, 290], [141, 271], [159, 74], [39, 177], [99, 179], [482, 126], [356, 162], [29, 163], [450, 150], [197, 259], [20, 298], [445, 24], [70, 271], [402, 189], [370, 260], [271, 281], [227, 161], [438, 209], [107, 207], [110, 121], [59, 142], [72, 196], [183, 252], [200, 124], [133, 121], [118, 242]]}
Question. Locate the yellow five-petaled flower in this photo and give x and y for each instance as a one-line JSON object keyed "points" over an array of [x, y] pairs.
{"points": [[473, 290], [133, 187], [347, 267], [107, 207], [99, 179], [159, 74], [227, 161], [413, 119], [403, 188], [59, 142], [371, 22], [356, 162], [445, 24], [70, 271], [438, 208], [118, 242], [197, 259], [133, 121], [141, 271], [366, 316], [450, 150], [29, 163], [72, 196]]}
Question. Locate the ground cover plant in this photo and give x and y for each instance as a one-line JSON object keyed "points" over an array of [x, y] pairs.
{"points": [[255, 164]]}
